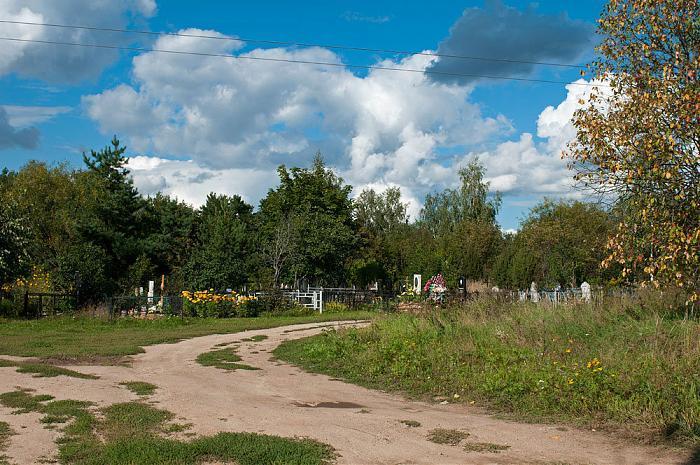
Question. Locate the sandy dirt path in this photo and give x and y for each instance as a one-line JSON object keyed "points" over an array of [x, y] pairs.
{"points": [[363, 425]]}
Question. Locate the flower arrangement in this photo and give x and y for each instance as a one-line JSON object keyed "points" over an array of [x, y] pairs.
{"points": [[435, 288], [409, 295], [208, 303], [196, 297]]}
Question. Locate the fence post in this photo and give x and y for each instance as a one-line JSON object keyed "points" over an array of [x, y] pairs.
{"points": [[25, 305]]}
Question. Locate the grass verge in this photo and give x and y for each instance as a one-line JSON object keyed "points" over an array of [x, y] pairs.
{"points": [[5, 433], [627, 366], [131, 433], [43, 370], [224, 359], [140, 388], [77, 340]]}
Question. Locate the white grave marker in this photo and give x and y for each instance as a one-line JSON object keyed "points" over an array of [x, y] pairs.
{"points": [[417, 283], [586, 291]]}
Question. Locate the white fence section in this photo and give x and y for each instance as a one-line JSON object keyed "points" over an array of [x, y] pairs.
{"points": [[311, 299]]}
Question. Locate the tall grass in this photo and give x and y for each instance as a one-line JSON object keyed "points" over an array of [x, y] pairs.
{"points": [[629, 363]]}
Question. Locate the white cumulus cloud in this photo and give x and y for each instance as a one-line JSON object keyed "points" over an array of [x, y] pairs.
{"points": [[60, 63], [202, 116]]}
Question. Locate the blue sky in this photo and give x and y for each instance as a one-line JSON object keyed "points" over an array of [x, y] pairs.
{"points": [[196, 124]]}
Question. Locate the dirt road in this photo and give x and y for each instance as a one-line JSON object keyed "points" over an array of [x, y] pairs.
{"points": [[363, 425]]}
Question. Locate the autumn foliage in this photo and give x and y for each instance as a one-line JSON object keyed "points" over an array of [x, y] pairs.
{"points": [[638, 140]]}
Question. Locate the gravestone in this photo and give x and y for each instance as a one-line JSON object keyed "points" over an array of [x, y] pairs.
{"points": [[417, 283], [586, 291], [534, 295]]}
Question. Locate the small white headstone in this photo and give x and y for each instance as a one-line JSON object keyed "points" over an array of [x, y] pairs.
{"points": [[151, 289], [534, 295], [417, 283], [586, 291]]}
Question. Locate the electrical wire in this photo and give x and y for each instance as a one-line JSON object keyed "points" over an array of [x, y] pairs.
{"points": [[285, 60], [297, 44]]}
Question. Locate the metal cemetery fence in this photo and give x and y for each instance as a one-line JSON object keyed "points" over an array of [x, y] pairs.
{"points": [[34, 305], [142, 306], [353, 298]]}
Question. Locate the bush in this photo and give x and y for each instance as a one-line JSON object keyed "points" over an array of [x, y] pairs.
{"points": [[7, 308]]}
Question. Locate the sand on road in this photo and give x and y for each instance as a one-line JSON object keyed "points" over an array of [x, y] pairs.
{"points": [[364, 426]]}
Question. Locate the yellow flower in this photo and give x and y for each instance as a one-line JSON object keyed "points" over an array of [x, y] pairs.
{"points": [[571, 381]]}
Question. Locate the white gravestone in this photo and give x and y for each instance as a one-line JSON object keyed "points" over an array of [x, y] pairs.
{"points": [[586, 291], [417, 283], [151, 289], [534, 295]]}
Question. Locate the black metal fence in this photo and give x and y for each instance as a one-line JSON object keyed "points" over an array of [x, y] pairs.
{"points": [[34, 305], [142, 306]]}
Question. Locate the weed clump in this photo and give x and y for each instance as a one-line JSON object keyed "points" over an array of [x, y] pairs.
{"points": [[140, 388], [450, 437], [224, 359]]}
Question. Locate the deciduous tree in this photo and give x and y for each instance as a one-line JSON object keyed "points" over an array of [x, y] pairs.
{"points": [[639, 140]]}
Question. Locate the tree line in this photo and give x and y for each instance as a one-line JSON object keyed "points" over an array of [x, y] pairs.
{"points": [[90, 230], [636, 145]]}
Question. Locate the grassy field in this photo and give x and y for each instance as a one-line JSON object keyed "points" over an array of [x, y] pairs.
{"points": [[5, 433], [93, 340], [623, 365], [135, 433]]}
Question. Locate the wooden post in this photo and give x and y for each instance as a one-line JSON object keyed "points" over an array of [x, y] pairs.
{"points": [[162, 290]]}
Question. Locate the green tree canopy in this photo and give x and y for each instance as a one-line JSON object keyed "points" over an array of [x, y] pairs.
{"points": [[382, 220], [318, 202], [224, 244], [443, 211], [559, 243]]}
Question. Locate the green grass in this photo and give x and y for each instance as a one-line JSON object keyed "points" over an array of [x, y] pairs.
{"points": [[99, 341], [43, 370], [450, 437], [5, 433], [131, 433], [485, 447], [625, 366], [22, 401], [140, 388], [224, 359]]}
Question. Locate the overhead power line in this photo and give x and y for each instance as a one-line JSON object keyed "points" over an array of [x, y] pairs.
{"points": [[297, 44], [288, 60]]}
